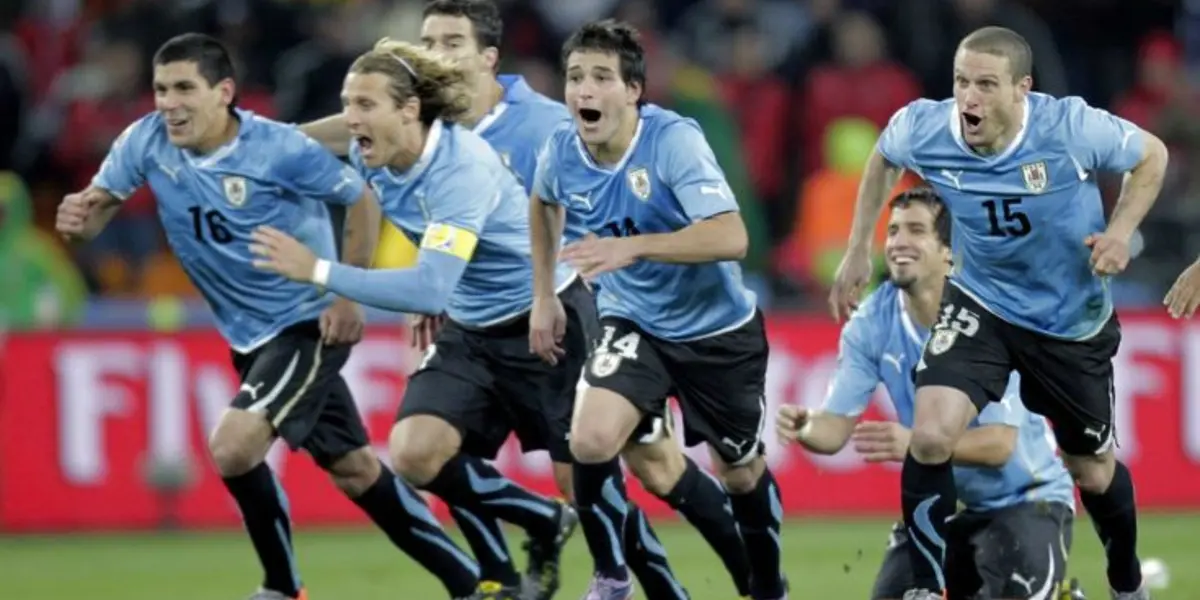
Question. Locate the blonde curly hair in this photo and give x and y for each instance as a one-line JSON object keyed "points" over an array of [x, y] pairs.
{"points": [[438, 84]]}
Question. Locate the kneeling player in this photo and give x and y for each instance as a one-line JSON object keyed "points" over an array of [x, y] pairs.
{"points": [[1012, 539]]}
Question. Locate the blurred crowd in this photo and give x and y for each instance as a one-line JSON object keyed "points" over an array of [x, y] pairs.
{"points": [[791, 93]]}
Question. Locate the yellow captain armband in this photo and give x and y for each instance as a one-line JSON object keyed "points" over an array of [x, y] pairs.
{"points": [[449, 239]]}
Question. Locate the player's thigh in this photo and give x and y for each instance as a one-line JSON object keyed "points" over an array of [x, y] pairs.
{"points": [[287, 381], [455, 384], [895, 575], [340, 429], [720, 383], [967, 350], [1023, 550], [1071, 384], [627, 362]]}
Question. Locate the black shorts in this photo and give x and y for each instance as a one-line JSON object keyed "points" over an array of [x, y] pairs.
{"points": [[487, 384], [1068, 382], [1014, 552], [295, 381], [719, 382]]}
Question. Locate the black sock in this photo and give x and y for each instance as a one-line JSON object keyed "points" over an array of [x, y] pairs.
{"points": [[1114, 515], [759, 514], [470, 483], [265, 512], [487, 542], [403, 515], [647, 559], [603, 508], [706, 505], [928, 498]]}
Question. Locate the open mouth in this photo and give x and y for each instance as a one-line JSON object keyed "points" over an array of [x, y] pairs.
{"points": [[972, 121], [364, 143], [176, 122], [903, 260], [589, 115]]}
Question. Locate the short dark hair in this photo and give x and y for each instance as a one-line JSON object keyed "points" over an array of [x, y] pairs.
{"points": [[611, 37], [928, 198], [1005, 43], [484, 16], [210, 55]]}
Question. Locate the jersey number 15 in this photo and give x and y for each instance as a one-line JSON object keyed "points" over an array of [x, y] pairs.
{"points": [[212, 221], [1006, 218]]}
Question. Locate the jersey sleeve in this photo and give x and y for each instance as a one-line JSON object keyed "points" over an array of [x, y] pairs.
{"points": [[1009, 410], [457, 208], [857, 373], [1101, 141], [895, 142], [124, 168], [688, 166], [544, 183], [308, 169]]}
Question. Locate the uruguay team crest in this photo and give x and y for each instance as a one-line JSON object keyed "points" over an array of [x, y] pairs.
{"points": [[1035, 176], [639, 182], [605, 364], [942, 340], [235, 190]]}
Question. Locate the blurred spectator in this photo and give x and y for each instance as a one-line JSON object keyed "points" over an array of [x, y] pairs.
{"points": [[705, 30], [14, 98], [759, 101], [861, 81], [309, 76], [39, 285]]}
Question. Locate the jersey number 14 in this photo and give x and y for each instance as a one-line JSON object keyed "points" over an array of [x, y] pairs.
{"points": [[1006, 218]]}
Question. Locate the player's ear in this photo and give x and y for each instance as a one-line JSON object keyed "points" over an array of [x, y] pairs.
{"points": [[1025, 85], [411, 109], [491, 58], [633, 93], [228, 90]]}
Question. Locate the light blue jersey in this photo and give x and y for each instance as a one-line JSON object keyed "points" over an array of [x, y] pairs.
{"points": [[667, 180], [882, 344], [270, 174], [470, 218], [1021, 216]]}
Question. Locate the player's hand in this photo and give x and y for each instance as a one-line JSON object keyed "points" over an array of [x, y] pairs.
{"points": [[593, 256], [547, 328], [1110, 253], [789, 421], [1184, 296], [283, 254], [423, 330], [881, 441], [73, 213], [342, 323], [853, 275]]}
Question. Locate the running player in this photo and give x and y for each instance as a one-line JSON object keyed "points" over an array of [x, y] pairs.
{"points": [[516, 121], [1017, 171], [676, 316], [1013, 539], [219, 173]]}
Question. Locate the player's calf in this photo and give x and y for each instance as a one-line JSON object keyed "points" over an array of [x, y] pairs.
{"points": [[659, 463], [1107, 493], [238, 447], [354, 473], [758, 509]]}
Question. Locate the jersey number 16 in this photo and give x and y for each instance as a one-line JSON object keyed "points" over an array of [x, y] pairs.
{"points": [[1006, 218], [214, 222]]}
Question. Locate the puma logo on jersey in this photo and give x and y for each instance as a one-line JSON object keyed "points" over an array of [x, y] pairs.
{"points": [[252, 390]]}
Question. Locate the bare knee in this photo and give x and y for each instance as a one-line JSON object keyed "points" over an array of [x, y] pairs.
{"points": [[239, 442], [603, 421], [940, 416], [659, 465], [420, 446], [1093, 474], [740, 479], [354, 473]]}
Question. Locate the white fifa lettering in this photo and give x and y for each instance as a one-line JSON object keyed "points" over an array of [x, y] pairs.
{"points": [[87, 398]]}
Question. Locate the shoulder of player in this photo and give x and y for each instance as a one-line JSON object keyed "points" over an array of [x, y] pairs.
{"points": [[461, 152], [874, 313], [149, 129], [1051, 112], [925, 115]]}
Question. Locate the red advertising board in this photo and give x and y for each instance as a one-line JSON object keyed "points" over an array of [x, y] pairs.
{"points": [[85, 418]]}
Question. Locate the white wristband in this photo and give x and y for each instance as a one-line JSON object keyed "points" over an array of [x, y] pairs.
{"points": [[320, 274]]}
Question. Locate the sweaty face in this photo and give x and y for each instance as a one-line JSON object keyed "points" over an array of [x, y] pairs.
{"points": [[986, 96], [376, 122], [913, 249], [190, 106], [454, 38], [598, 97]]}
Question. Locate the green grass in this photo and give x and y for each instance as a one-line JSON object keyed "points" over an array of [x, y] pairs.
{"points": [[823, 558]]}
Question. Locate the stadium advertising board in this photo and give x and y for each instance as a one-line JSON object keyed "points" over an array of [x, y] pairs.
{"points": [[102, 430]]}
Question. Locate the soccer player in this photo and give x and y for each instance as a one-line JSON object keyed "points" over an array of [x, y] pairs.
{"points": [[516, 121], [1013, 539], [219, 173], [446, 189], [676, 316], [1017, 172]]}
